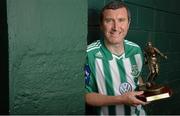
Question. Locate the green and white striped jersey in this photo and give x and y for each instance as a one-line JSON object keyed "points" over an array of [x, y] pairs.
{"points": [[113, 75]]}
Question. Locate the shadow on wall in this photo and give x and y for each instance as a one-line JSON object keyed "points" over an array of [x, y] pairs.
{"points": [[94, 32], [4, 81]]}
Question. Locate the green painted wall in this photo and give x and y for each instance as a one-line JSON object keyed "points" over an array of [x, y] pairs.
{"points": [[158, 21], [47, 42]]}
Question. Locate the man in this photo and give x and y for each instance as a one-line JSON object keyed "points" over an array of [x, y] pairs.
{"points": [[113, 66]]}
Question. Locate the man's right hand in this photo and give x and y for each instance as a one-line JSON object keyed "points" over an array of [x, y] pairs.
{"points": [[130, 98]]}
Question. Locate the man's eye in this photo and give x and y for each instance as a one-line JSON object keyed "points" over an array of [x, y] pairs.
{"points": [[121, 20], [108, 20]]}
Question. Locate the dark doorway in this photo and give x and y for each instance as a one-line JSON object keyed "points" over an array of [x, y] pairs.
{"points": [[4, 81]]}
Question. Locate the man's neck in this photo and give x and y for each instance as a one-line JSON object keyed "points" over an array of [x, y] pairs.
{"points": [[116, 49]]}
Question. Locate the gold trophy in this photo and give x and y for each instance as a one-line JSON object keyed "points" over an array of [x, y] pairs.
{"points": [[153, 91]]}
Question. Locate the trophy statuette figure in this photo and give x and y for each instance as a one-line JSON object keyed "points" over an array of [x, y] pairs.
{"points": [[153, 91]]}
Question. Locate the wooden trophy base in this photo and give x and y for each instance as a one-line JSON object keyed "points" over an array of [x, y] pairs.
{"points": [[154, 92]]}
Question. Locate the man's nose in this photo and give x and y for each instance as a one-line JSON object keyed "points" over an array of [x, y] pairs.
{"points": [[114, 26]]}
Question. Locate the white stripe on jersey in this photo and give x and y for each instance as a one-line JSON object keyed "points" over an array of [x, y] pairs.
{"points": [[131, 43], [116, 82], [100, 76], [95, 44], [93, 48], [138, 61], [128, 70], [115, 76], [101, 82]]}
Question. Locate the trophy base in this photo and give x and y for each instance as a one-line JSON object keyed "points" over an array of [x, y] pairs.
{"points": [[154, 92]]}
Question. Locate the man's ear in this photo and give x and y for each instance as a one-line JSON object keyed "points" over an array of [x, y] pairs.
{"points": [[129, 24], [129, 21]]}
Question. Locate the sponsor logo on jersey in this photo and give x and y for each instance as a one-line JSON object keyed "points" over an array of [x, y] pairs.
{"points": [[135, 72], [87, 74], [125, 87]]}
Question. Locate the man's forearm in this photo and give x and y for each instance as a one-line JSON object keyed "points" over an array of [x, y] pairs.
{"points": [[128, 98], [96, 99]]}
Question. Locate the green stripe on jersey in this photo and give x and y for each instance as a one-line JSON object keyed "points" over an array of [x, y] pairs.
{"points": [[108, 78], [109, 85], [121, 71], [127, 110]]}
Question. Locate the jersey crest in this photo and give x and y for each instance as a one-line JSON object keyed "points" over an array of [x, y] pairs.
{"points": [[135, 72]]}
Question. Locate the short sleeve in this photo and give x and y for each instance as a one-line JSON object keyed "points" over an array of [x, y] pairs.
{"points": [[90, 81]]}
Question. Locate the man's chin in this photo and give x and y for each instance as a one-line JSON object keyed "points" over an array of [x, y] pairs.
{"points": [[116, 42], [115, 36], [116, 39]]}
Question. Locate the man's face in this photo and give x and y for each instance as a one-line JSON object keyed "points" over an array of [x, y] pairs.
{"points": [[115, 25]]}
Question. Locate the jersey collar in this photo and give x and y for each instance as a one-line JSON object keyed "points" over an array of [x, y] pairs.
{"points": [[107, 54]]}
